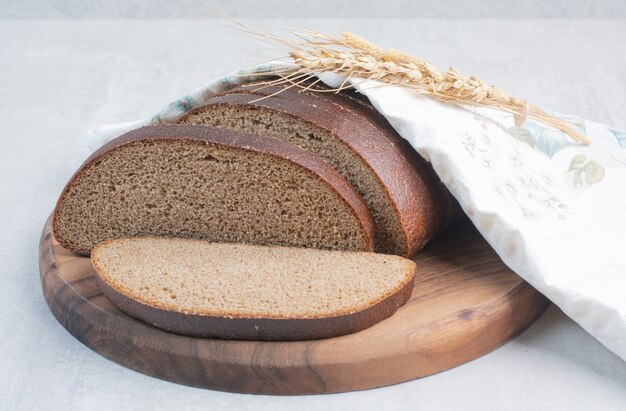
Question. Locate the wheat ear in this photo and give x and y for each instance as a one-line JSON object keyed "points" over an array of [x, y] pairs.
{"points": [[352, 56]]}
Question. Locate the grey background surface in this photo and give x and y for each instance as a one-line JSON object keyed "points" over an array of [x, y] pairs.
{"points": [[60, 77], [327, 9]]}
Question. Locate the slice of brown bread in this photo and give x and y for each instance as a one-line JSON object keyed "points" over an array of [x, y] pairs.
{"points": [[251, 292], [210, 183], [408, 202]]}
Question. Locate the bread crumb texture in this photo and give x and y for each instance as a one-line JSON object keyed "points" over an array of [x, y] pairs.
{"points": [[250, 281], [187, 188], [390, 237]]}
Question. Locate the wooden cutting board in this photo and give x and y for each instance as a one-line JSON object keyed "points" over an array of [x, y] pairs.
{"points": [[466, 302]]}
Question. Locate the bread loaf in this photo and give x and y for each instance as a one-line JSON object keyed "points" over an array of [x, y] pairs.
{"points": [[251, 292], [210, 183], [408, 202]]}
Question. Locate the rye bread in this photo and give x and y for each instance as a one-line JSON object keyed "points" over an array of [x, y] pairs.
{"points": [[209, 183], [408, 202], [250, 292]]}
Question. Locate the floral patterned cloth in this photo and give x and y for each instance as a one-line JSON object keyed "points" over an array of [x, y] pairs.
{"points": [[554, 210]]}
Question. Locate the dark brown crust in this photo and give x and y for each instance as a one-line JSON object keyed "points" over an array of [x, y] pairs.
{"points": [[259, 329], [446, 203], [424, 206], [210, 135], [446, 206]]}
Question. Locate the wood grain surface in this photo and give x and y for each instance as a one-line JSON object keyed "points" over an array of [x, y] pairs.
{"points": [[466, 302]]}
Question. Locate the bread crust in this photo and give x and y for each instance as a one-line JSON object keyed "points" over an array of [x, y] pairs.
{"points": [[423, 205], [264, 145], [256, 328]]}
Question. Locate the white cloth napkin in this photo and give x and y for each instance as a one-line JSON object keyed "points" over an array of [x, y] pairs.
{"points": [[553, 210]]}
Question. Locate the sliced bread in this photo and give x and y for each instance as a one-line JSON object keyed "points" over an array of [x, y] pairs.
{"points": [[250, 292], [408, 202], [210, 183]]}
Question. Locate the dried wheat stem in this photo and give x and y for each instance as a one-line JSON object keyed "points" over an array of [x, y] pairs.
{"points": [[353, 56]]}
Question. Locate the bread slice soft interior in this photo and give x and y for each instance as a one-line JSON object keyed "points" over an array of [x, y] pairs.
{"points": [[215, 184], [407, 201], [242, 291]]}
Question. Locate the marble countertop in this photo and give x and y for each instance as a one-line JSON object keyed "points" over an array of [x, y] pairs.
{"points": [[59, 78]]}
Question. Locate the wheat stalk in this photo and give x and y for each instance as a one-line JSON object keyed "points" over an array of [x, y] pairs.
{"points": [[355, 57]]}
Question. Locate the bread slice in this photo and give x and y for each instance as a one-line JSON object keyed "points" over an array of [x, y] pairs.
{"points": [[250, 292], [408, 202], [209, 183]]}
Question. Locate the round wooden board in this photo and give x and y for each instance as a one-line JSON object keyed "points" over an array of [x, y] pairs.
{"points": [[466, 302]]}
